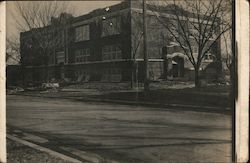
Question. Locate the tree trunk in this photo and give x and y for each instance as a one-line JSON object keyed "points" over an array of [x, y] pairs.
{"points": [[132, 83], [145, 46], [46, 73], [132, 75], [23, 75], [197, 77], [46, 68]]}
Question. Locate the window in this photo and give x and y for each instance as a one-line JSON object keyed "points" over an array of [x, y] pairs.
{"points": [[111, 52], [193, 29], [174, 27], [60, 57], [82, 55], [210, 32], [51, 59], [82, 33], [82, 75], [62, 38], [111, 26], [195, 49], [112, 75], [209, 57]]}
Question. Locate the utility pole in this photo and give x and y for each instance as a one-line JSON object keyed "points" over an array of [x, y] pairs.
{"points": [[145, 50]]}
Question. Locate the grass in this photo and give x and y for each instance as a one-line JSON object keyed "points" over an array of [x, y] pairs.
{"points": [[212, 95], [208, 96]]}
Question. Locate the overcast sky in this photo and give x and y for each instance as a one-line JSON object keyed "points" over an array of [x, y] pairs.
{"points": [[80, 8]]}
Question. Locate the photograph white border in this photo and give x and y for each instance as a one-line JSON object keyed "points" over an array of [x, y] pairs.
{"points": [[2, 82], [242, 103]]}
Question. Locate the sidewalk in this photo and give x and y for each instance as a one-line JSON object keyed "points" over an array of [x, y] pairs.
{"points": [[27, 147], [19, 153]]}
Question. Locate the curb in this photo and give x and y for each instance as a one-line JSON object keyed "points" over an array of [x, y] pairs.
{"points": [[184, 107], [80, 156], [43, 149], [176, 106], [150, 103]]}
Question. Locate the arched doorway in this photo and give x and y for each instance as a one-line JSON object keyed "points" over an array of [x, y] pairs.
{"points": [[178, 66]]}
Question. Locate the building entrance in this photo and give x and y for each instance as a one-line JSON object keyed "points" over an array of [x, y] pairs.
{"points": [[178, 67]]}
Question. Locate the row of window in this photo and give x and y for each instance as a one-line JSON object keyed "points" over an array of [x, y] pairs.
{"points": [[110, 26], [109, 52], [107, 71], [113, 52], [82, 55], [82, 33], [112, 74], [60, 57], [109, 74]]}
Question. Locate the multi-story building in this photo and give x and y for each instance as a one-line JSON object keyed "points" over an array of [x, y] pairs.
{"points": [[104, 45]]}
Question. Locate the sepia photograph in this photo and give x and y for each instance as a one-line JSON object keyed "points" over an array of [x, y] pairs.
{"points": [[124, 81]]}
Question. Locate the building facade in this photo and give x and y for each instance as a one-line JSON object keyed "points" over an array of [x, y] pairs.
{"points": [[104, 45]]}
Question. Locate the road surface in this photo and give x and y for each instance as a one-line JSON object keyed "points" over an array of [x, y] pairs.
{"points": [[122, 133]]}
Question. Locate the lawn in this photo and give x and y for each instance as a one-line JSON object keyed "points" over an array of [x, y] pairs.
{"points": [[208, 96]]}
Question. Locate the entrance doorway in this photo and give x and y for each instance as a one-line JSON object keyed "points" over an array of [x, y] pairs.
{"points": [[178, 67]]}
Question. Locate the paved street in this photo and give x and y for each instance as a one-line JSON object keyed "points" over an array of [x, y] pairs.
{"points": [[122, 133]]}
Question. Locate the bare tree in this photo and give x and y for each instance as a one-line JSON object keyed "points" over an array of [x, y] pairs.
{"points": [[46, 33], [195, 24], [12, 50], [227, 50], [37, 14], [136, 42], [227, 54]]}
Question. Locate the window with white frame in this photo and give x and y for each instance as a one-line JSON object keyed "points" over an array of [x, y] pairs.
{"points": [[82, 55], [111, 26], [111, 52], [82, 33]]}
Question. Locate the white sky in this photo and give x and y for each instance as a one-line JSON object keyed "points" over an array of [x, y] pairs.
{"points": [[80, 8]]}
